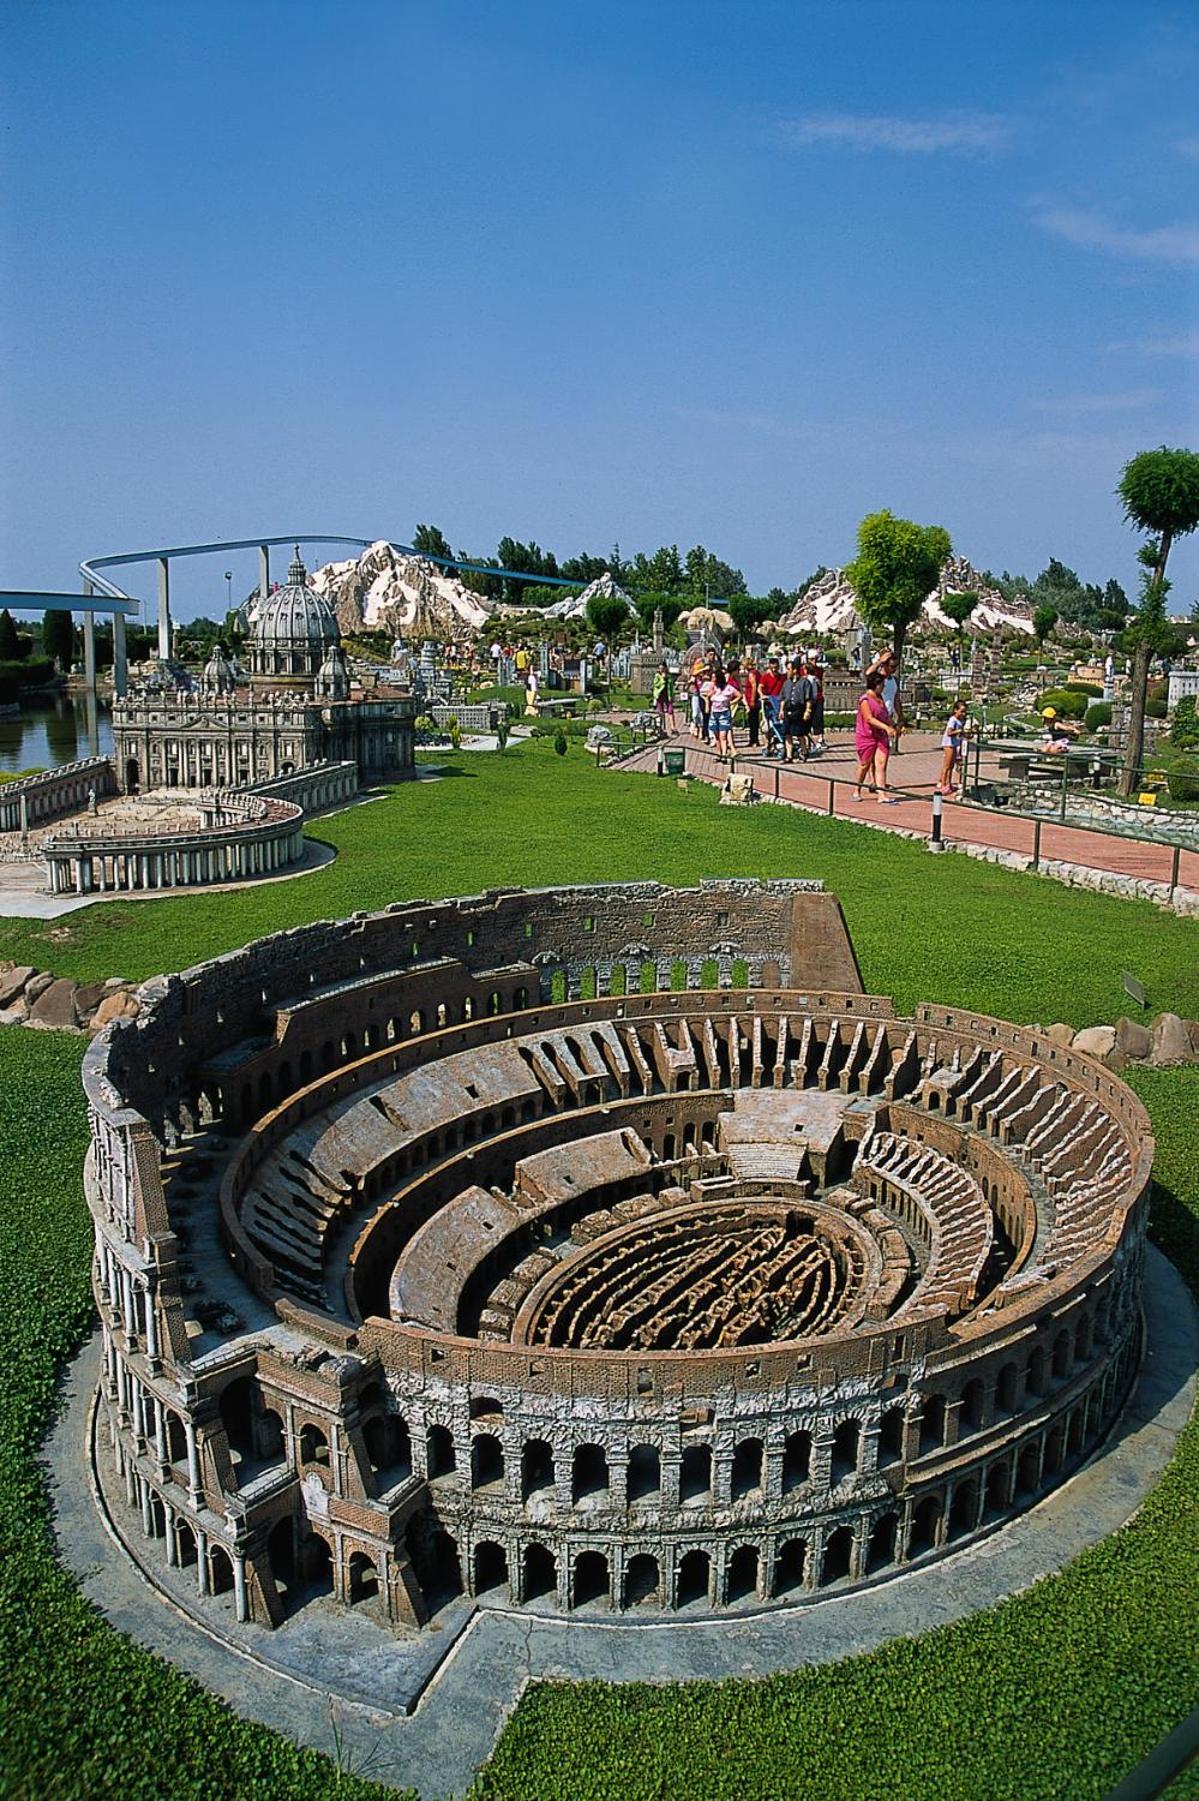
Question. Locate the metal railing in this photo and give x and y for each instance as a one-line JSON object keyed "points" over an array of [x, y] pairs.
{"points": [[777, 773]]}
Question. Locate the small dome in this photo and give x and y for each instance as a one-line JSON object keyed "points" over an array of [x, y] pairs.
{"points": [[296, 617]]}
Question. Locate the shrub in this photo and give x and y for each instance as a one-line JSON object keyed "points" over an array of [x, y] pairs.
{"points": [[1155, 707], [455, 733], [1185, 730], [1067, 704], [560, 741], [1091, 688], [1098, 715], [28, 672]]}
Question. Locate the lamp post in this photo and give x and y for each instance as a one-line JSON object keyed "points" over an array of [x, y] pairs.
{"points": [[228, 592]]}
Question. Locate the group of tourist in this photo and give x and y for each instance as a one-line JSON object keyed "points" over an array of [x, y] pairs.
{"points": [[782, 706], [783, 710]]}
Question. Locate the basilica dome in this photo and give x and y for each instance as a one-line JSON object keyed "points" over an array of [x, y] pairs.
{"points": [[292, 630]]}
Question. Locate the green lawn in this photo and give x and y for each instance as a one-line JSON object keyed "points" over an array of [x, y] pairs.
{"points": [[954, 929], [1055, 1693]]}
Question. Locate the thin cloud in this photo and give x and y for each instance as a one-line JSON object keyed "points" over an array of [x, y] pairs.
{"points": [[1188, 147], [1092, 231], [1185, 345], [1064, 405], [960, 133]]}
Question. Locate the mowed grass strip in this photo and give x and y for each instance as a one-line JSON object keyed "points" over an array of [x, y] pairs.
{"points": [[949, 928]]}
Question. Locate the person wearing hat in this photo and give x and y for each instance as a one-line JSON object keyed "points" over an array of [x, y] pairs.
{"points": [[1058, 732]]}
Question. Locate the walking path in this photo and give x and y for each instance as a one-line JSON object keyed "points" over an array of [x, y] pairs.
{"points": [[826, 785]]}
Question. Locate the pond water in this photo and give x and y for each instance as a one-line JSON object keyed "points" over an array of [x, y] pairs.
{"points": [[55, 729]]}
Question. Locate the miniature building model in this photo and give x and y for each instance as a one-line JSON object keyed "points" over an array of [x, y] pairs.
{"points": [[297, 710], [594, 1248]]}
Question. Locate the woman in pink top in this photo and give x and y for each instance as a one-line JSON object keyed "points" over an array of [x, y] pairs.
{"points": [[873, 733]]}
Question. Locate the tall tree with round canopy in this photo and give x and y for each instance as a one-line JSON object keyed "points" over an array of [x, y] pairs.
{"points": [[896, 569], [1160, 493]]}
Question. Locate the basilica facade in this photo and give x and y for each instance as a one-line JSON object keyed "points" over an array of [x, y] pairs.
{"points": [[298, 706]]}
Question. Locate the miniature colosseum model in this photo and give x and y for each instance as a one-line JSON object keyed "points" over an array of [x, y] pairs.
{"points": [[595, 1246]]}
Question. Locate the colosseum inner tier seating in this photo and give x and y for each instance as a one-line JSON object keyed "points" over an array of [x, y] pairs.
{"points": [[594, 1248]]}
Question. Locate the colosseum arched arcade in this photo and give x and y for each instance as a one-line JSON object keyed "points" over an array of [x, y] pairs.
{"points": [[595, 1248]]}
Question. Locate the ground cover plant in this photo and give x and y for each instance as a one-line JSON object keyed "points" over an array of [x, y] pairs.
{"points": [[1057, 1692]]}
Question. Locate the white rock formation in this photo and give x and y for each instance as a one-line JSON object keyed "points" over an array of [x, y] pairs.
{"points": [[386, 591], [830, 604], [575, 605]]}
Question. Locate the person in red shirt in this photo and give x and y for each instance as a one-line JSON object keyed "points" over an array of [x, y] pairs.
{"points": [[753, 701], [770, 687]]}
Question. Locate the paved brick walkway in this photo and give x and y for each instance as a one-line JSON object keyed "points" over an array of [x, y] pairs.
{"points": [[826, 785]]}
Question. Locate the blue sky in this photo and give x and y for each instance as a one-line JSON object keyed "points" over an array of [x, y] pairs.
{"points": [[736, 274]]}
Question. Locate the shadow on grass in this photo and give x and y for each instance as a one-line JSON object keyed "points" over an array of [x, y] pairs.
{"points": [[1174, 1229]]}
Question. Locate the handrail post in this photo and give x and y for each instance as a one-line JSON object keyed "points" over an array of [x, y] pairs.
{"points": [[832, 799], [1065, 774], [776, 781], [1036, 843], [1175, 866]]}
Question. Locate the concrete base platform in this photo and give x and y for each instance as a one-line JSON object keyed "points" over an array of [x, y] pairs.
{"points": [[424, 1709], [22, 895]]}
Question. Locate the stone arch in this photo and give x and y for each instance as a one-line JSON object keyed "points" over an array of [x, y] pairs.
{"points": [[741, 1581], [314, 1447], [791, 1566], [693, 1583], [540, 1572], [748, 1465], [591, 1579], [695, 1473], [837, 1562], [388, 1447], [363, 1579], [1063, 1356], [847, 1443], [1028, 1470], [491, 1566], [1034, 1372], [934, 1423], [997, 1491], [880, 1546], [589, 1473], [926, 1524], [281, 1560], [970, 1414], [236, 1408], [486, 1461], [797, 1460], [642, 1580], [536, 1468], [890, 1437], [440, 1456], [963, 1508], [644, 1472], [220, 1570], [1007, 1389]]}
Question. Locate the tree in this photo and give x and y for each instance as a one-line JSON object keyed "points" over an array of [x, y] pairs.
{"points": [[10, 649], [431, 541], [1159, 490], [710, 579], [606, 613], [747, 611], [1044, 619], [58, 639], [959, 607], [896, 568]]}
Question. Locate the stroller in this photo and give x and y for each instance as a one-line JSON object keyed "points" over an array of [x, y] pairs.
{"points": [[774, 726]]}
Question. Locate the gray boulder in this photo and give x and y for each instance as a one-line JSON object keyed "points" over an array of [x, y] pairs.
{"points": [[1171, 1040], [1095, 1041], [1133, 1038]]}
